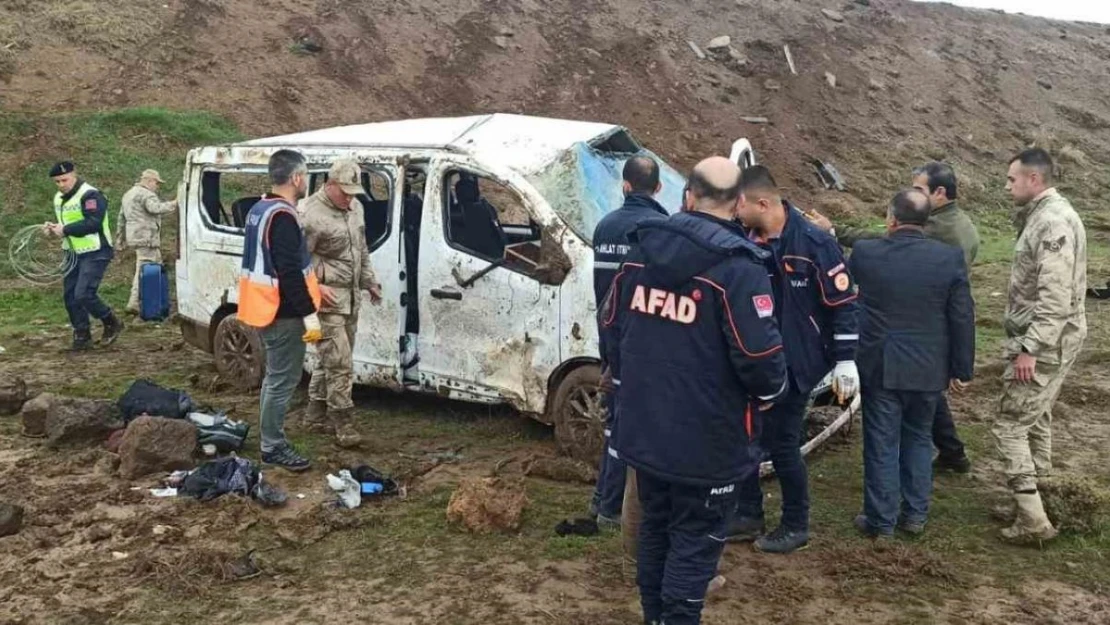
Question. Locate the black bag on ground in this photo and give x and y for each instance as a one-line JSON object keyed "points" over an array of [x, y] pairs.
{"points": [[147, 397], [364, 474]]}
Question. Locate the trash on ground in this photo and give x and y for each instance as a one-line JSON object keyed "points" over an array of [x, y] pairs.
{"points": [[164, 492], [145, 397], [828, 175], [231, 475], [374, 482], [220, 432], [350, 492], [582, 526], [119, 555]]}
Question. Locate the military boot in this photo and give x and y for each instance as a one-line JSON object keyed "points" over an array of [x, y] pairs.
{"points": [[316, 417], [346, 436], [1032, 522], [113, 327]]}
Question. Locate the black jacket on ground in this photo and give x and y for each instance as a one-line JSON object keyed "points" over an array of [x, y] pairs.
{"points": [[691, 341], [917, 330]]}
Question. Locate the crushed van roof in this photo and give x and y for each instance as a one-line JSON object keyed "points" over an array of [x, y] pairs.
{"points": [[522, 142]]}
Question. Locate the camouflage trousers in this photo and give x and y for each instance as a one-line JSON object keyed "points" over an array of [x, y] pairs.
{"points": [[1023, 431], [143, 255], [333, 373]]}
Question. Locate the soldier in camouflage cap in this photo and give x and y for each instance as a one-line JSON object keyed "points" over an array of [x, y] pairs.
{"points": [[1045, 325], [140, 226]]}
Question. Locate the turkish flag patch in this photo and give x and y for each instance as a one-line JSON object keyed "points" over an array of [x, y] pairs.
{"points": [[764, 306], [90, 205]]}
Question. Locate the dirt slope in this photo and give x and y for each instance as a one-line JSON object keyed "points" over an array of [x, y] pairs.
{"points": [[912, 80]]}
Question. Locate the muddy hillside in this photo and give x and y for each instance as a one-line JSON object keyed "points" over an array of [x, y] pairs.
{"points": [[876, 85]]}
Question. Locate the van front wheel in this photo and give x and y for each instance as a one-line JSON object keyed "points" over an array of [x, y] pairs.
{"points": [[578, 411], [240, 355]]}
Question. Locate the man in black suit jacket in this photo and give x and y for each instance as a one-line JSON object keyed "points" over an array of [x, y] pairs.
{"points": [[917, 337]]}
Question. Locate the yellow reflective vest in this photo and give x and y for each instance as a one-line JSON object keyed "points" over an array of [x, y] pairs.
{"points": [[70, 212]]}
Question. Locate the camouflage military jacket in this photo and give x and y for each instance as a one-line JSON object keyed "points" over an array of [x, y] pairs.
{"points": [[140, 217], [1048, 282], [336, 239]]}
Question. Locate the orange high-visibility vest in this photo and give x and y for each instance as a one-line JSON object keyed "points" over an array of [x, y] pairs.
{"points": [[259, 294]]}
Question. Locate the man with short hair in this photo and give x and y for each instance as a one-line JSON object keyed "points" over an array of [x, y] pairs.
{"points": [[917, 337], [1046, 324], [140, 226], [692, 344], [949, 224], [335, 236], [83, 226], [815, 307], [611, 246], [279, 295]]}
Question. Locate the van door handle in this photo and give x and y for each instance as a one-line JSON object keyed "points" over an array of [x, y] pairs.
{"points": [[446, 294]]}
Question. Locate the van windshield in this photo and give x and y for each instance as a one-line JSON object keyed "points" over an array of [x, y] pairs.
{"points": [[584, 184]]}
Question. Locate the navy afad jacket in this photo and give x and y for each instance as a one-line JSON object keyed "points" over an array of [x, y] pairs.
{"points": [[692, 344], [815, 300], [611, 244]]}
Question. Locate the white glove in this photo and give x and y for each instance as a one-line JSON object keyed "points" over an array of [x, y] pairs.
{"points": [[312, 331], [845, 381]]}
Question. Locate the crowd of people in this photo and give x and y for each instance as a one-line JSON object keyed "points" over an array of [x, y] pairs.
{"points": [[715, 324]]}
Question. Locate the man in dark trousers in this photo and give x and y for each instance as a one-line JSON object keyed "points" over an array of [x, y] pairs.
{"points": [[947, 224], [917, 338], [611, 245], [815, 306], [693, 346], [82, 213]]}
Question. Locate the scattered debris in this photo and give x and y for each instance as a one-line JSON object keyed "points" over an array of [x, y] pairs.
{"points": [[11, 519], [697, 51], [718, 44], [160, 530], [73, 421], [230, 476], [828, 175], [772, 85], [1044, 83], [833, 15], [831, 79], [561, 469], [154, 445], [583, 526], [119, 555], [307, 44], [487, 504], [790, 60], [13, 394], [350, 492], [164, 492], [146, 397], [755, 120]]}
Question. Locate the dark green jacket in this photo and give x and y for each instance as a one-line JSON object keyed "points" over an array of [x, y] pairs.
{"points": [[948, 224]]}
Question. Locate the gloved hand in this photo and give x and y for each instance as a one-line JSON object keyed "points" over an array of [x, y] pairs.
{"points": [[845, 381], [312, 331]]}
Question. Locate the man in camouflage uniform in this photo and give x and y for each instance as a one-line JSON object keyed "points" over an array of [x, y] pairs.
{"points": [[1045, 327], [140, 226], [948, 224], [335, 234]]}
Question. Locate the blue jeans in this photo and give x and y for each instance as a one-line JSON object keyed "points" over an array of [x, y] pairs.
{"points": [[81, 286], [284, 367], [782, 437], [609, 494], [682, 536], [897, 456]]}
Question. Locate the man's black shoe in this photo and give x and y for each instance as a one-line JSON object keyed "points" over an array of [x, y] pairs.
{"points": [[956, 465], [287, 458], [745, 529], [112, 329]]}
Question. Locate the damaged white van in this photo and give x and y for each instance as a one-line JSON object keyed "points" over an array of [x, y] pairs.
{"points": [[479, 230]]}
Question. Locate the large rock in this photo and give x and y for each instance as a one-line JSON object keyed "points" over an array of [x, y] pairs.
{"points": [[71, 421], [487, 504], [155, 444], [33, 415], [13, 392], [11, 519]]}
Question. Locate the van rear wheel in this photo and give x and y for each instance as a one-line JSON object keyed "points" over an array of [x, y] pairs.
{"points": [[578, 411], [240, 354]]}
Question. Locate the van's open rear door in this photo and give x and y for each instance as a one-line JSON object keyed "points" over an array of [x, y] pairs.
{"points": [[742, 153]]}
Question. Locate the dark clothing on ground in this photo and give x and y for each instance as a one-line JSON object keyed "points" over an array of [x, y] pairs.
{"points": [[286, 245], [81, 285], [783, 426]]}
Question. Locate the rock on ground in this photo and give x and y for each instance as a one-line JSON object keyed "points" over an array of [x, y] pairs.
{"points": [[11, 519], [155, 444], [13, 393], [76, 421], [561, 469], [487, 504], [33, 415]]}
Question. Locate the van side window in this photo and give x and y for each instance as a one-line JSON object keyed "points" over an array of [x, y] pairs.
{"points": [[227, 197], [377, 201], [489, 220]]}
